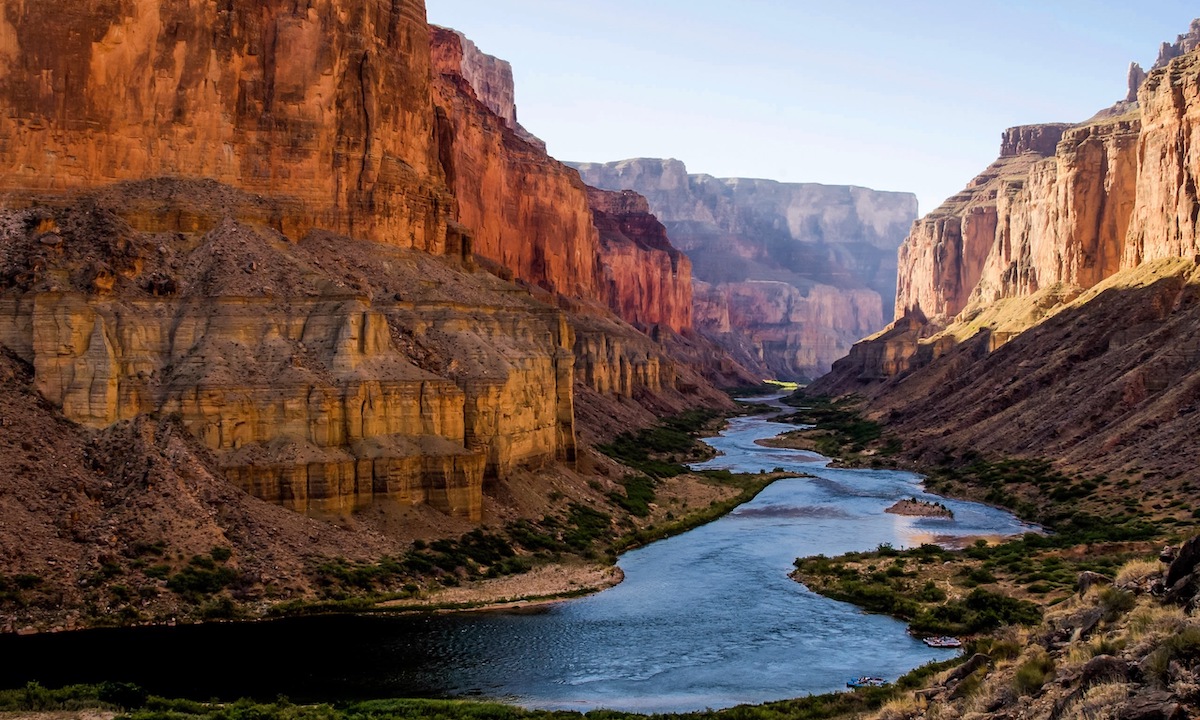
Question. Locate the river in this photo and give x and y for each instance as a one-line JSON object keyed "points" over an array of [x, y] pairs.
{"points": [[707, 619]]}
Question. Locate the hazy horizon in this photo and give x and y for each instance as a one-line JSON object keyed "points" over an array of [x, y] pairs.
{"points": [[909, 99]]}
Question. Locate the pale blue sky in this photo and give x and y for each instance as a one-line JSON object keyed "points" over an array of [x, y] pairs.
{"points": [[890, 95]]}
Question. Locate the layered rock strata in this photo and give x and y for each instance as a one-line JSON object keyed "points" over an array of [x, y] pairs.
{"points": [[646, 280], [223, 214], [533, 215], [1167, 52], [832, 246], [942, 259], [322, 373], [490, 78]]}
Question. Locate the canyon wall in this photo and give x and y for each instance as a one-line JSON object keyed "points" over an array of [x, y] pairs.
{"points": [[646, 280], [942, 259], [1062, 324], [1166, 215], [534, 215], [490, 78], [231, 215], [1032, 226], [586, 249], [322, 374], [834, 247], [327, 105]]}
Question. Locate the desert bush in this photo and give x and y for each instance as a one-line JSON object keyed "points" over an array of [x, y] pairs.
{"points": [[1033, 674], [1154, 621], [1182, 646], [1138, 570], [1116, 602]]}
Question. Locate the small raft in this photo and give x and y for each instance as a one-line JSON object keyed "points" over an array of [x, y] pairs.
{"points": [[945, 641]]}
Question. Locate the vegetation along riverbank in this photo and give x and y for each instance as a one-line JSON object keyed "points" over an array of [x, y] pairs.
{"points": [[1061, 624]]}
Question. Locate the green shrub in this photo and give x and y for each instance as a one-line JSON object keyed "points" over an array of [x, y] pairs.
{"points": [[1033, 674], [1116, 602], [639, 493]]}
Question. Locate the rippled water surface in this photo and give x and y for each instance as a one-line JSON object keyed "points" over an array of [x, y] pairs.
{"points": [[706, 619]]}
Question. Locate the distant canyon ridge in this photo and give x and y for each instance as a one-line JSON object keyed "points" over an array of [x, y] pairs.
{"points": [[786, 276]]}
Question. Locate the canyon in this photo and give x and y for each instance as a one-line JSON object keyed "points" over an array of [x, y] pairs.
{"points": [[787, 276], [1048, 309], [309, 253]]}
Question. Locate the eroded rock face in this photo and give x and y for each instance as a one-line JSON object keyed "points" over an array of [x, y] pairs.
{"points": [[490, 78], [1166, 216], [322, 374], [1066, 224], [823, 241], [533, 214], [646, 280], [326, 104], [1077, 340], [943, 258], [790, 330]]}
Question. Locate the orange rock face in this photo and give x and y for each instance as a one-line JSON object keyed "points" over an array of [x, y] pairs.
{"points": [[828, 253], [1067, 222], [326, 103], [943, 258], [525, 210], [533, 214], [1166, 217], [646, 280], [1117, 193]]}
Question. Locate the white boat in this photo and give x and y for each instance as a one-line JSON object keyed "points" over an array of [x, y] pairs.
{"points": [[944, 641]]}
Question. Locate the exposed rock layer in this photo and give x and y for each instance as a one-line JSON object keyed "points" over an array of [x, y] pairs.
{"points": [[532, 214], [325, 104], [322, 373], [646, 280]]}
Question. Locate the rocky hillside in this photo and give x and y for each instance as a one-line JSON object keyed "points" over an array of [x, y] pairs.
{"points": [[1049, 309], [788, 276]]}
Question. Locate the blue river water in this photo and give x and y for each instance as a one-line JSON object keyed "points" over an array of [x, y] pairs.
{"points": [[707, 619]]}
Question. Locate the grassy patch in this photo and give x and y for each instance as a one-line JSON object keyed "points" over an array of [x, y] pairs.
{"points": [[839, 430], [749, 486], [660, 451]]}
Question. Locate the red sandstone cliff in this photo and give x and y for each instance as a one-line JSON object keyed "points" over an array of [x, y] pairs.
{"points": [[942, 259], [533, 215], [324, 105], [236, 267], [646, 280]]}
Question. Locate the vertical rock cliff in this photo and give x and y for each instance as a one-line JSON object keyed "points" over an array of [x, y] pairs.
{"points": [[536, 218], [646, 280], [322, 374], [325, 104], [523, 209], [942, 259], [223, 214], [820, 258], [533, 215]]}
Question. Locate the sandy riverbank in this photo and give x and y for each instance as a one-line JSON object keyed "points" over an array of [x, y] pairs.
{"points": [[542, 585]]}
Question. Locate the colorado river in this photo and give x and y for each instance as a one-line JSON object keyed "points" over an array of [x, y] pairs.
{"points": [[706, 619]]}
